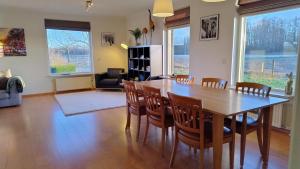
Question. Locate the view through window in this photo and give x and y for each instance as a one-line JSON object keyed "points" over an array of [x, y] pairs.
{"points": [[271, 44], [69, 51], [180, 50]]}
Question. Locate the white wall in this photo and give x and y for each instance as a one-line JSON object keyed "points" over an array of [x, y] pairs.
{"points": [[141, 20], [34, 67], [207, 58], [212, 58]]}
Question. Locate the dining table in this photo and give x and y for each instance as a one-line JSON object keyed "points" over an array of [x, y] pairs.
{"points": [[222, 104]]}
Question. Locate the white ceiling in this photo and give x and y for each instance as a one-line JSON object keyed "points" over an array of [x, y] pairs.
{"points": [[77, 7]]}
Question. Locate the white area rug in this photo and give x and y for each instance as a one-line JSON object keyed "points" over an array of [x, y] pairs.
{"points": [[82, 102]]}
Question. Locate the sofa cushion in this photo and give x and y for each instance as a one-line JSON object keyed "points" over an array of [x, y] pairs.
{"points": [[4, 94], [106, 82], [3, 83], [6, 73], [114, 72]]}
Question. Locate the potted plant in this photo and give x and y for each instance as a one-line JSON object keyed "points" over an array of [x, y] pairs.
{"points": [[137, 33]]}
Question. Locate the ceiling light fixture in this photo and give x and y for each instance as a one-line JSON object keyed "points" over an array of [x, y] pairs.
{"points": [[163, 8], [213, 0], [88, 4]]}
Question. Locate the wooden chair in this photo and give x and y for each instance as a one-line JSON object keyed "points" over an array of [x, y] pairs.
{"points": [[184, 79], [158, 113], [135, 105], [247, 124], [192, 129], [214, 83]]}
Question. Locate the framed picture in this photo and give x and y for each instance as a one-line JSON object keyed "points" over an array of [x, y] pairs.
{"points": [[107, 38], [12, 42], [209, 27]]}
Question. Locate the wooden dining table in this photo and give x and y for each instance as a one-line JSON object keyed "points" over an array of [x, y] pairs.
{"points": [[222, 104]]}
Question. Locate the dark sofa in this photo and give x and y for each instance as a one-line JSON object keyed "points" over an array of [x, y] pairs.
{"points": [[112, 79]]}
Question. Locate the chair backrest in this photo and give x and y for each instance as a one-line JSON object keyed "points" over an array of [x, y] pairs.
{"points": [[253, 88], [131, 95], [184, 79], [154, 105], [214, 83], [187, 114]]}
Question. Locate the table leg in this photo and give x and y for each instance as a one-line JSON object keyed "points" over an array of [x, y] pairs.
{"points": [[218, 132], [267, 126]]}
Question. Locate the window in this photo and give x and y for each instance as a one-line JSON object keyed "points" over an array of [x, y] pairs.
{"points": [[270, 47], [179, 50], [68, 47]]}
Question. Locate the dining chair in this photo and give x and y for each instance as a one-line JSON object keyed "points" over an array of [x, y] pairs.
{"points": [[214, 83], [245, 123], [135, 105], [184, 79], [158, 113], [192, 129]]}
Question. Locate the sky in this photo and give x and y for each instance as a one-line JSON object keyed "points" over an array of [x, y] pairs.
{"points": [[285, 14], [180, 34], [56, 38]]}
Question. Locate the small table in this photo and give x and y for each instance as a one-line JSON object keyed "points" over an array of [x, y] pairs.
{"points": [[222, 104]]}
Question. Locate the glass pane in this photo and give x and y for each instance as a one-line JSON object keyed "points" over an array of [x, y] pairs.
{"points": [[181, 50], [271, 47], [69, 51]]}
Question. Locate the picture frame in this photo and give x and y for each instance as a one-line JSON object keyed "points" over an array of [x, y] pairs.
{"points": [[107, 38], [12, 42], [209, 27]]}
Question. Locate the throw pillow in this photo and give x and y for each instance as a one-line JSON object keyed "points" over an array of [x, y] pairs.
{"points": [[6, 73], [3, 83]]}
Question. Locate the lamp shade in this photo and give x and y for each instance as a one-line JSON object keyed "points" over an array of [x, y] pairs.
{"points": [[213, 0], [163, 8]]}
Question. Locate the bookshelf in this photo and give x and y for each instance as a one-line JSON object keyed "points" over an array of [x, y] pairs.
{"points": [[144, 61]]}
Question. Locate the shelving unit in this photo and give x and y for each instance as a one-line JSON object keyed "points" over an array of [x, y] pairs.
{"points": [[144, 61]]}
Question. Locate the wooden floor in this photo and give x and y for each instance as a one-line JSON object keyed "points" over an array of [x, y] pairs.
{"points": [[37, 135]]}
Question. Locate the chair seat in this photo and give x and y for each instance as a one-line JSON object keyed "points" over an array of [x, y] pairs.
{"points": [[142, 108], [251, 123], [208, 131]]}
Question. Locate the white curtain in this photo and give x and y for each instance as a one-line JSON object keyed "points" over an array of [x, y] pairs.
{"points": [[294, 162]]}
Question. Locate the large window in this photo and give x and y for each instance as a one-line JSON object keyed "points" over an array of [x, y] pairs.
{"points": [[69, 51], [179, 50], [270, 47]]}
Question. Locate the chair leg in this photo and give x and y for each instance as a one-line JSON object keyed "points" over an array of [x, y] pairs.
{"points": [[167, 131], [163, 140], [259, 139], [138, 128], [146, 132], [242, 149], [231, 154], [128, 119], [201, 158], [243, 140], [174, 150]]}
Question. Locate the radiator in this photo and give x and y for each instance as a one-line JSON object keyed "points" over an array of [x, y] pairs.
{"points": [[73, 83], [277, 116]]}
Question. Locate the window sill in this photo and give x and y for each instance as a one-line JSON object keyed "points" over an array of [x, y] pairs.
{"points": [[276, 93], [70, 75]]}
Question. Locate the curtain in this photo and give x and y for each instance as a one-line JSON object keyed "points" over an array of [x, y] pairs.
{"points": [[180, 17], [252, 6], [67, 25]]}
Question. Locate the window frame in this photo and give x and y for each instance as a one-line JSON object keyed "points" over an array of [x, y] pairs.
{"points": [[170, 52], [238, 67], [71, 74]]}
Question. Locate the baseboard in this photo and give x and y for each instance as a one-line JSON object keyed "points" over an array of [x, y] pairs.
{"points": [[38, 94], [281, 130], [75, 90]]}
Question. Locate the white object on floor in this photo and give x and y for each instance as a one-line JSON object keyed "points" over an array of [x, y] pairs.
{"points": [[82, 102]]}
